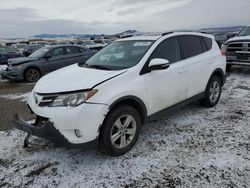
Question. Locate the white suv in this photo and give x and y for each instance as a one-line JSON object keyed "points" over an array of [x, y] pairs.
{"points": [[107, 98]]}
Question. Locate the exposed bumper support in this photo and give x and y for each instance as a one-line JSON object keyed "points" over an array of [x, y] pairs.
{"points": [[47, 131]]}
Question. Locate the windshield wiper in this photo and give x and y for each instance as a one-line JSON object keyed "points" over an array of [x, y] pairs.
{"points": [[99, 67]]}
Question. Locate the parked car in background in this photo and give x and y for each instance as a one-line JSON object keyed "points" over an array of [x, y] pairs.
{"points": [[42, 43], [31, 49], [7, 52], [21, 47], [90, 44], [237, 49], [103, 41], [43, 61], [106, 99]]}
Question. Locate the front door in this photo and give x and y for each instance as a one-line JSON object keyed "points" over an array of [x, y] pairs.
{"points": [[167, 87]]}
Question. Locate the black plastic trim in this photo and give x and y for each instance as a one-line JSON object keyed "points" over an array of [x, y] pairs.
{"points": [[174, 31], [175, 106], [48, 131], [134, 98], [224, 76]]}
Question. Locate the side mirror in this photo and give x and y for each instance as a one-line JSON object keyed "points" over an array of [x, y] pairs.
{"points": [[158, 64]]}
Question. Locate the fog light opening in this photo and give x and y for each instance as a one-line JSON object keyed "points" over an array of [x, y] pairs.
{"points": [[78, 133]]}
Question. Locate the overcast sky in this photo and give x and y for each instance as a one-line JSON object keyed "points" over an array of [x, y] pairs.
{"points": [[23, 18]]}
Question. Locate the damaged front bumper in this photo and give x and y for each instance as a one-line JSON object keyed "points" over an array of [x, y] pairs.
{"points": [[11, 75], [44, 128]]}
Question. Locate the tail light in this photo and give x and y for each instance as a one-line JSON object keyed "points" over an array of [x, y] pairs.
{"points": [[223, 49], [223, 52]]}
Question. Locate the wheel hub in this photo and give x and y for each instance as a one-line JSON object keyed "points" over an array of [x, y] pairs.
{"points": [[214, 91], [123, 131]]}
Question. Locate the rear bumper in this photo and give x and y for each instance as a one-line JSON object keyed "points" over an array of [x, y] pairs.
{"points": [[47, 131]]}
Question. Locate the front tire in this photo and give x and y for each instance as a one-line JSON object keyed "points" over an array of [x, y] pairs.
{"points": [[120, 130], [213, 92], [32, 75]]}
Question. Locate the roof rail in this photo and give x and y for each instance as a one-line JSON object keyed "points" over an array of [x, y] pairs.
{"points": [[126, 36], [170, 32]]}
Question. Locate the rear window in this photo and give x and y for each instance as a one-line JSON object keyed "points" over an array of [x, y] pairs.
{"points": [[191, 46]]}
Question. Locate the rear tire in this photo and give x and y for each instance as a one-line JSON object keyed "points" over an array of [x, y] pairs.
{"points": [[212, 93], [32, 75], [120, 130]]}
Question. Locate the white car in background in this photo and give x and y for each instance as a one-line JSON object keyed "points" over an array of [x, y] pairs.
{"points": [[21, 47], [90, 44], [106, 99]]}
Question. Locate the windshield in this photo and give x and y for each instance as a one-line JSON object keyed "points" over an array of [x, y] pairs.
{"points": [[244, 32], [119, 55], [39, 53]]}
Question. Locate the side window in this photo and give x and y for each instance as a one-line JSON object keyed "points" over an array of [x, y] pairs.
{"points": [[191, 46], [71, 50], [168, 49], [56, 52]]}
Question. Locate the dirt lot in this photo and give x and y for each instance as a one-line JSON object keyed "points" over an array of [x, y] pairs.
{"points": [[191, 147]]}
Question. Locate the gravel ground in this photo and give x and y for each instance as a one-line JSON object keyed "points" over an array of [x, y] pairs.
{"points": [[191, 147]]}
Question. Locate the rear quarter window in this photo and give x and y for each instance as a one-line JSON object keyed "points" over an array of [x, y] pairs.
{"points": [[208, 43]]}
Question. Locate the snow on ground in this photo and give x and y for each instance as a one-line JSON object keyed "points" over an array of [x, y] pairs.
{"points": [[22, 96], [2, 67], [191, 147]]}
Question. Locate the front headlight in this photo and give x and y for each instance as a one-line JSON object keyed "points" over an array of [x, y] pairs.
{"points": [[72, 99], [15, 67]]}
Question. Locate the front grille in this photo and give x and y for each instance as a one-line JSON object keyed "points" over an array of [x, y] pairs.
{"points": [[238, 47], [43, 100]]}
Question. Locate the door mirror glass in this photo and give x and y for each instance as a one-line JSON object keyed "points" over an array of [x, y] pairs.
{"points": [[158, 64]]}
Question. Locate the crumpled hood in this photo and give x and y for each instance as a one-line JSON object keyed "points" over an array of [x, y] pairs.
{"points": [[73, 78], [240, 39], [21, 60]]}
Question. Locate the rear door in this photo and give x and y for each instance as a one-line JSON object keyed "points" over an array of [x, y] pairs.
{"points": [[169, 86], [195, 54]]}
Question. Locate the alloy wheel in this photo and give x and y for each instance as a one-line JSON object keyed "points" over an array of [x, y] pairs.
{"points": [[123, 131], [214, 91], [32, 75]]}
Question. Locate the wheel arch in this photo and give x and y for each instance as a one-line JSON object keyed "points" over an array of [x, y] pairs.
{"points": [[133, 101], [220, 74], [29, 67], [34, 67]]}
